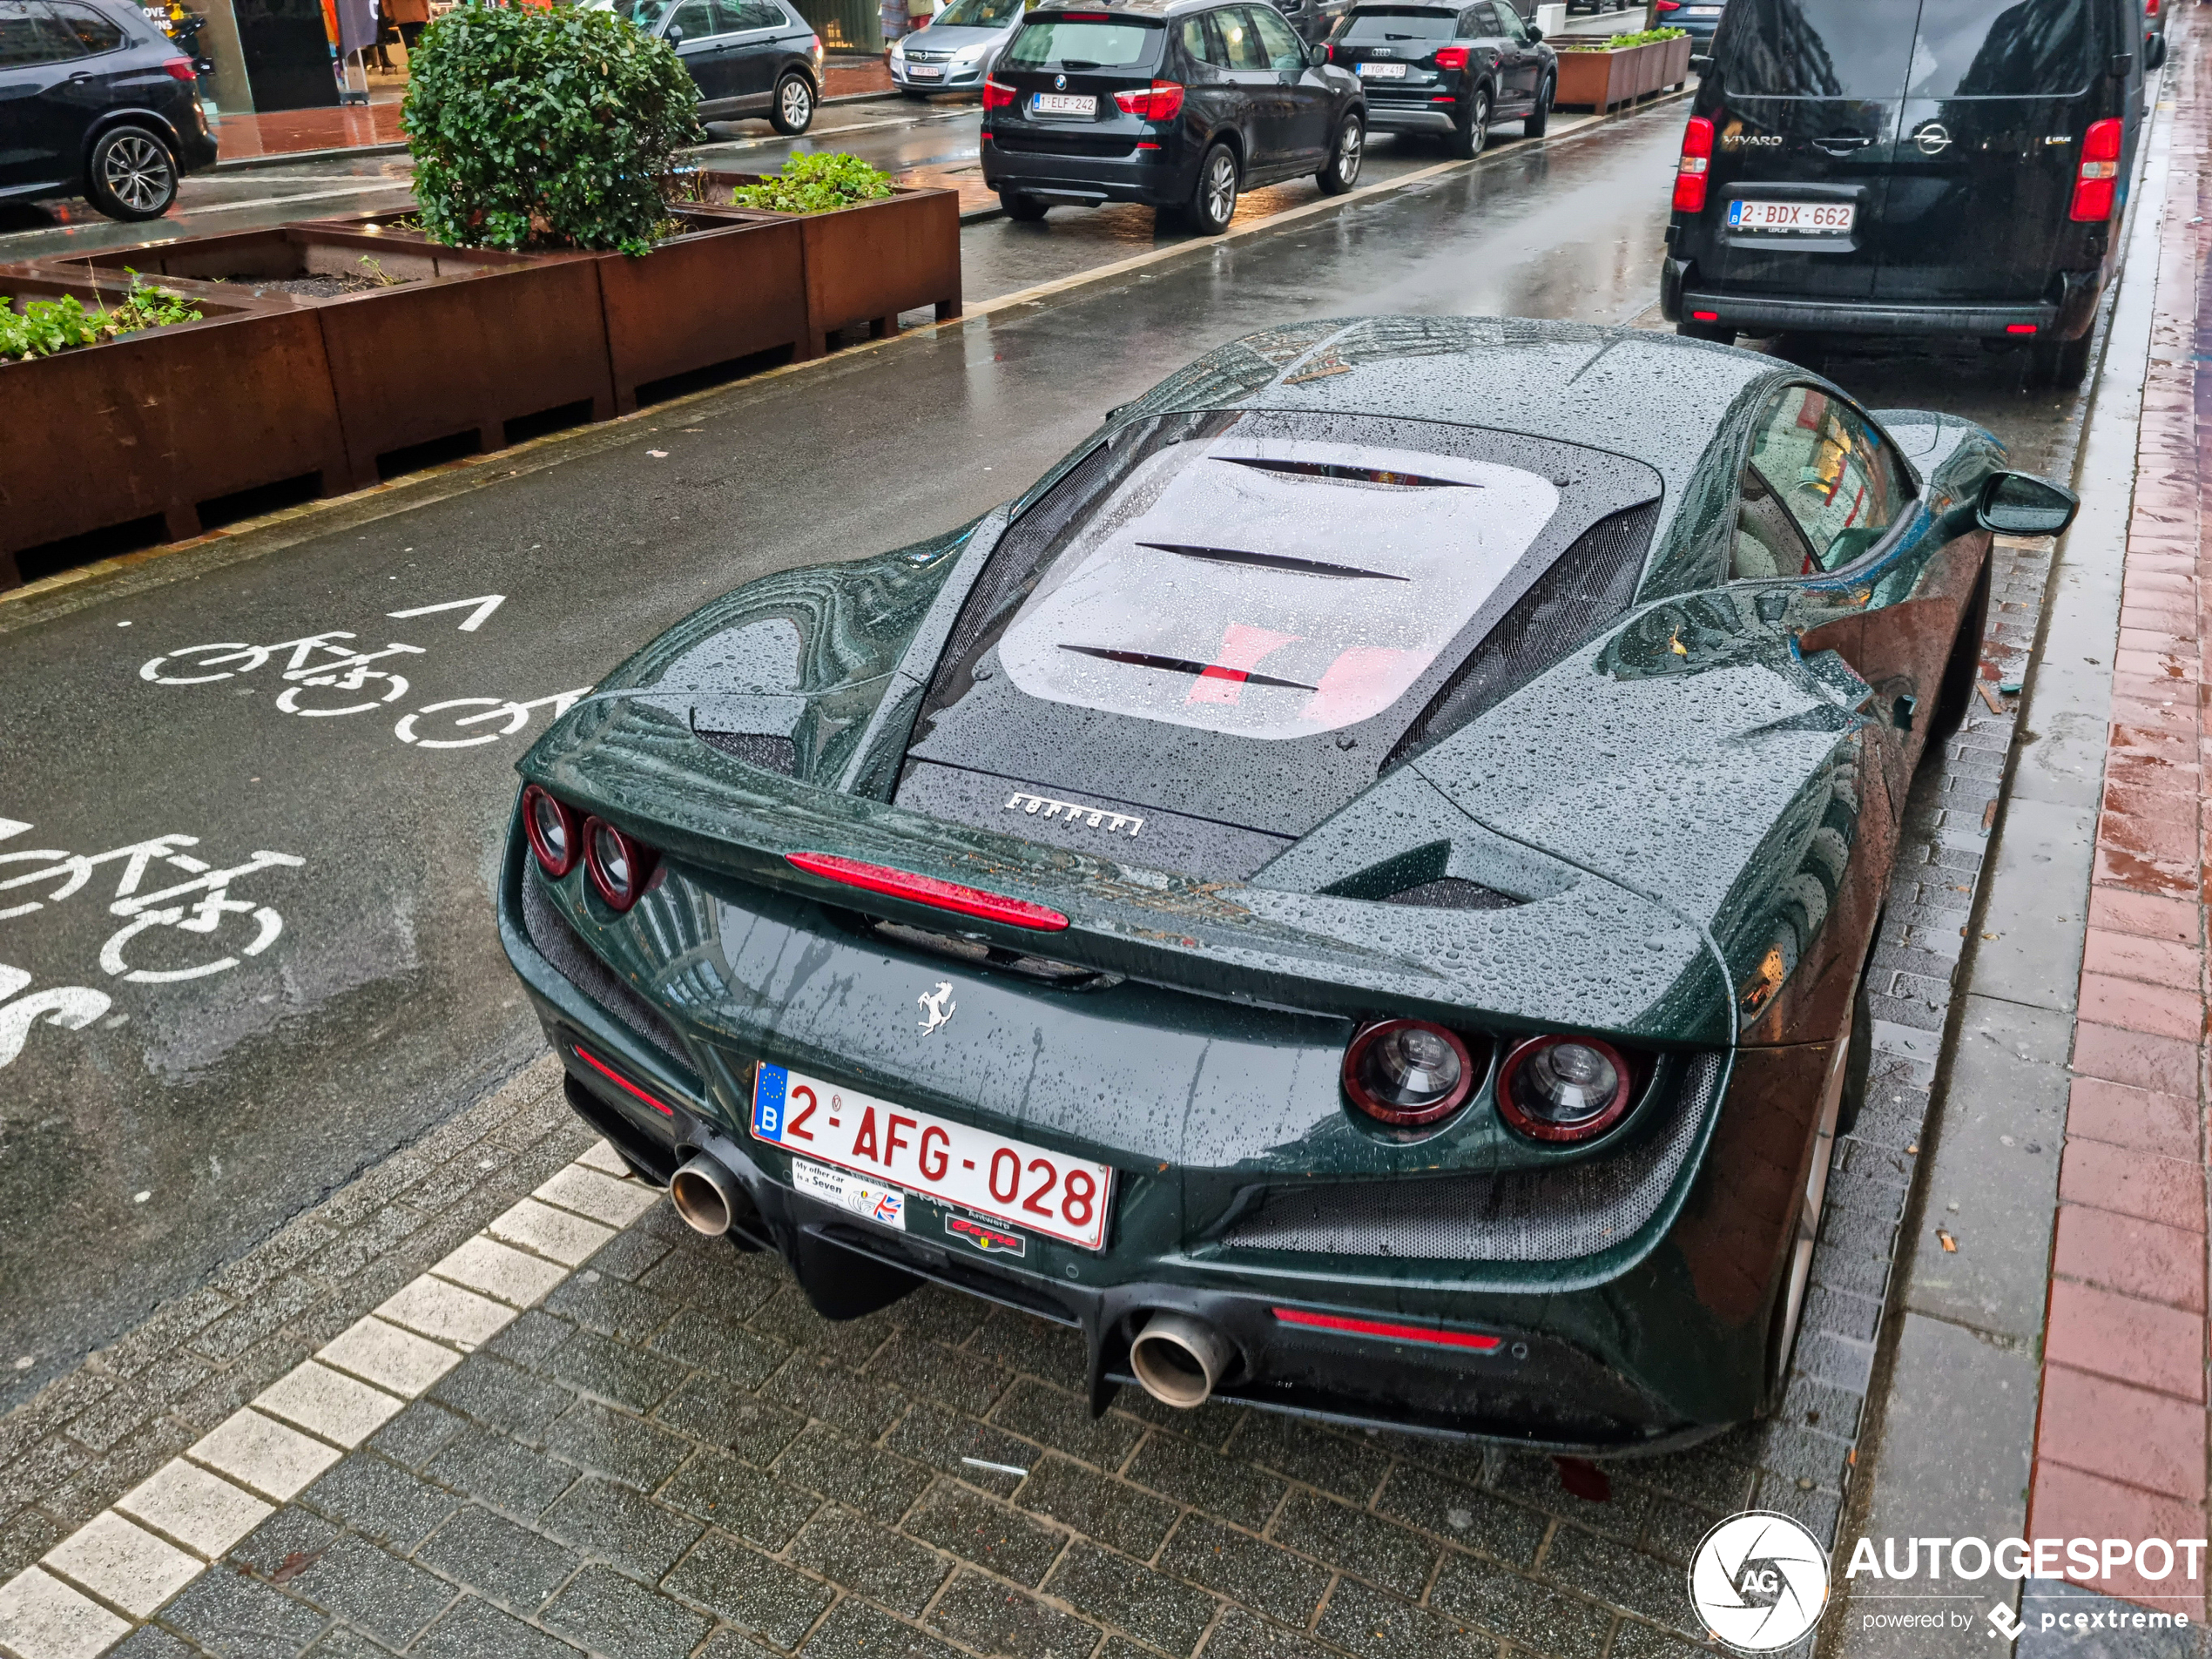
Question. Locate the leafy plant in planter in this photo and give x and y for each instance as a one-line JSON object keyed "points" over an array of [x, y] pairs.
{"points": [[45, 327], [814, 183], [1621, 43], [545, 128]]}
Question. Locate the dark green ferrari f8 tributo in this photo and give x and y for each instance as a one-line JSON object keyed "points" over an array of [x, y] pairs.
{"points": [[1353, 892]]}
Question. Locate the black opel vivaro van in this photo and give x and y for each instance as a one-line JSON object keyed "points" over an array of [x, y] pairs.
{"points": [[1908, 167]]}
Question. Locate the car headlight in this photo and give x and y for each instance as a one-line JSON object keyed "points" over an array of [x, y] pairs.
{"points": [[1563, 1088]]}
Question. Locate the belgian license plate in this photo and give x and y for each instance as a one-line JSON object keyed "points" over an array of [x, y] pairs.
{"points": [[1383, 71], [925, 71], [1063, 104], [1826, 219], [896, 1150], [1702, 12]]}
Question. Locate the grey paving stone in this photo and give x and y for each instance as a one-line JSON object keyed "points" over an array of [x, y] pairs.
{"points": [[609, 1306], [283, 1544], [630, 1378], [740, 1499], [731, 1644], [752, 1592], [376, 1498], [1062, 1421], [1395, 1557], [1210, 1423], [851, 1550], [712, 1409], [533, 1335], [1711, 1476], [475, 1630], [1245, 1568], [1539, 1482], [623, 1524], [926, 1370], [1676, 1530], [990, 1535], [24, 1539], [1463, 1514], [993, 1618], [503, 1396], [1206, 1480], [1302, 1451], [1622, 1577], [1023, 1342], [722, 1346], [1367, 1621], [1098, 1505], [151, 1641], [610, 1614], [1240, 1635], [1527, 1613], [712, 1276], [413, 1438], [495, 1557], [241, 1618], [1637, 1641], [941, 1314], [870, 1480], [821, 1387], [944, 1439], [609, 1443], [500, 1471], [371, 1588], [629, 1253], [854, 1628], [343, 1641], [1116, 1590]]}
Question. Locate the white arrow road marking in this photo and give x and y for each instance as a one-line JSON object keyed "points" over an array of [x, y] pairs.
{"points": [[485, 604], [11, 826]]}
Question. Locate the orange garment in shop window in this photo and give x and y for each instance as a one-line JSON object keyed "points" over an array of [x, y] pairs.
{"points": [[330, 23]]}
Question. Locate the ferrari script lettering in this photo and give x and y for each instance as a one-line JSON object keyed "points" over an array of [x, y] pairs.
{"points": [[1098, 817]]}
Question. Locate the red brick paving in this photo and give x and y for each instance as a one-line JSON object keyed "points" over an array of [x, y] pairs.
{"points": [[2120, 1440]]}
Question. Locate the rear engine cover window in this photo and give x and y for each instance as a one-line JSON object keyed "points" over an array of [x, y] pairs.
{"points": [[1854, 48], [1381, 28], [1062, 43], [1272, 588], [2000, 48]]}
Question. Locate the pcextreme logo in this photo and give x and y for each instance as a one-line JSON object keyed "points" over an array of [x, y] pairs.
{"points": [[1759, 1581]]}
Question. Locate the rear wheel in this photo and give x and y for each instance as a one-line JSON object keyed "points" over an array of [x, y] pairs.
{"points": [[1541, 117], [1706, 331], [794, 109], [2061, 362], [1024, 210], [1468, 138], [1345, 156], [1213, 203], [1957, 692], [131, 176]]}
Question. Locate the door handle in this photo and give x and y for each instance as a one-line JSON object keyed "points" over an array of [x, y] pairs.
{"points": [[1842, 146]]}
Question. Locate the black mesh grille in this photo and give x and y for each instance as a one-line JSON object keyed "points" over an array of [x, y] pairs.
{"points": [[555, 940], [1586, 588], [1450, 893], [755, 749], [1521, 1215]]}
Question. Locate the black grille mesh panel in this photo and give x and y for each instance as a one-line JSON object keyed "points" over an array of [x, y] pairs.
{"points": [[556, 941], [761, 748], [1521, 1215]]}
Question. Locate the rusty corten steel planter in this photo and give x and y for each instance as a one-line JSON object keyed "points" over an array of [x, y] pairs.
{"points": [[469, 339], [159, 422], [1602, 80], [869, 262]]}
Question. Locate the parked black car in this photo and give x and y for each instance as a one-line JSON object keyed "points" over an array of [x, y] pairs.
{"points": [[749, 56], [1877, 167], [1449, 69], [1696, 18], [96, 101], [1180, 104]]}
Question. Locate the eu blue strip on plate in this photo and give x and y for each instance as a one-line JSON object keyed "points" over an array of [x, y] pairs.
{"points": [[768, 1091]]}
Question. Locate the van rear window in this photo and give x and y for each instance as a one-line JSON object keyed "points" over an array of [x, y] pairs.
{"points": [[1053, 42], [1891, 49], [2000, 48]]}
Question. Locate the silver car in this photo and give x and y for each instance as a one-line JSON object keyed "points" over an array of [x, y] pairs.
{"points": [[957, 48]]}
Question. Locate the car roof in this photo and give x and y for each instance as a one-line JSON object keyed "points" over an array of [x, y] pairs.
{"points": [[1146, 9]]}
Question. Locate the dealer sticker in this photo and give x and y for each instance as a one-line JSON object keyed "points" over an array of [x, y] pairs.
{"points": [[991, 1241], [877, 1203]]}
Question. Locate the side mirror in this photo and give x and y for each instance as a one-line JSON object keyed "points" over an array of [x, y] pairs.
{"points": [[1317, 54], [1535, 34], [2019, 503], [674, 37]]}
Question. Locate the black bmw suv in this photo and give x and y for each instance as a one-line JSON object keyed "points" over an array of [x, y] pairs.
{"points": [[1908, 167], [1179, 104], [1448, 69], [96, 101]]}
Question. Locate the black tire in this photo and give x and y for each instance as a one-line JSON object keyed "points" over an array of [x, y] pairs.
{"points": [[1706, 331], [1350, 147], [793, 110], [1213, 200], [915, 93], [1956, 694], [1468, 138], [2154, 52], [132, 173], [1023, 210], [1540, 118], [2062, 363]]}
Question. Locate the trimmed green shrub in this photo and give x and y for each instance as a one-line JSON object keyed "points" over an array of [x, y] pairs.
{"points": [[544, 127], [815, 184]]}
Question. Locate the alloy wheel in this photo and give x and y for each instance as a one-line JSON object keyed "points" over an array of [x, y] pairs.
{"points": [[797, 104], [1351, 148], [136, 172], [1221, 187]]}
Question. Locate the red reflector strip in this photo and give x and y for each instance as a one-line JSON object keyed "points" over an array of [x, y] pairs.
{"points": [[621, 1081], [1146, 145], [1422, 1333], [1704, 316], [925, 889], [2020, 327]]}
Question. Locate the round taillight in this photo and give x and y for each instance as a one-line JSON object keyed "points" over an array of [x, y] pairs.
{"points": [[1404, 1072], [553, 832], [1563, 1088], [619, 867]]}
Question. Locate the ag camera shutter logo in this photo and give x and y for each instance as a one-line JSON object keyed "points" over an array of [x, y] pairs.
{"points": [[1759, 1581]]}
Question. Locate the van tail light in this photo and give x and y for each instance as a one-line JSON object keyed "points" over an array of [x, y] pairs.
{"points": [[180, 69], [1162, 101], [1450, 57], [1690, 172], [1563, 1088], [2150, 7], [996, 95], [2098, 181], [1668, 5]]}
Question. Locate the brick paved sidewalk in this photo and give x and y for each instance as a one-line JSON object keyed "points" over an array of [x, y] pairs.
{"points": [[2119, 1445]]}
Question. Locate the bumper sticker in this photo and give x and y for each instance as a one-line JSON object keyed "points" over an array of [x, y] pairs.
{"points": [[877, 1203], [991, 1241]]}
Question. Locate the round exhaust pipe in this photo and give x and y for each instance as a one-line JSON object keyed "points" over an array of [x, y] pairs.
{"points": [[707, 1195], [1178, 1359]]}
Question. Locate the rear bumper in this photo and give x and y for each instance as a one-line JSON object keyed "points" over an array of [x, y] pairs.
{"points": [[1156, 177], [1681, 301], [1411, 118]]}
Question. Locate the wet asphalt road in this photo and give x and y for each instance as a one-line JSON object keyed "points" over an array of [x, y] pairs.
{"points": [[185, 1118]]}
